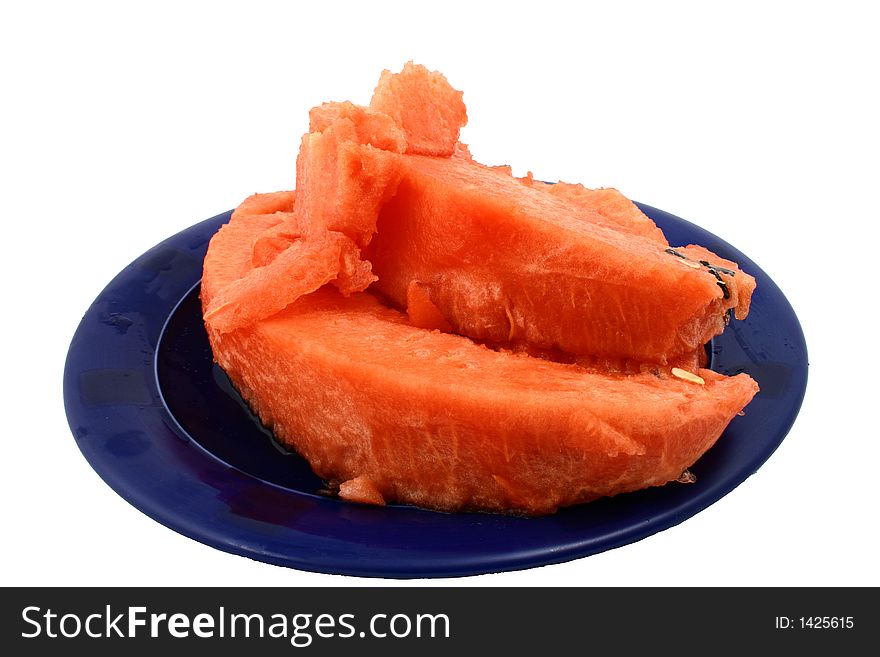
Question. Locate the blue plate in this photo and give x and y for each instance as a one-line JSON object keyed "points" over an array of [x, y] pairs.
{"points": [[161, 424]]}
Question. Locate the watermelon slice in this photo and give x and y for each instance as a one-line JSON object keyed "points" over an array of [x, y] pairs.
{"points": [[509, 263], [425, 105]]}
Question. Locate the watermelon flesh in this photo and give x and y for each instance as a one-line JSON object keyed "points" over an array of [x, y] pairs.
{"points": [[342, 182], [424, 104], [427, 329], [434, 420]]}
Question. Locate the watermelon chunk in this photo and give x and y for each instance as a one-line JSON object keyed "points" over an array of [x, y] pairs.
{"points": [[510, 263], [432, 419], [424, 104]]}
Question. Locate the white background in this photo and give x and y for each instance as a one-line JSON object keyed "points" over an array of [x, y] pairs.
{"points": [[123, 126]]}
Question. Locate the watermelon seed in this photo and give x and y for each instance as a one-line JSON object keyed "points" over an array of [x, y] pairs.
{"points": [[687, 376], [687, 477], [724, 270], [684, 259], [330, 489], [714, 271]]}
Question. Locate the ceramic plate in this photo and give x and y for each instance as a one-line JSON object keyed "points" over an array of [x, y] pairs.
{"points": [[162, 425]]}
